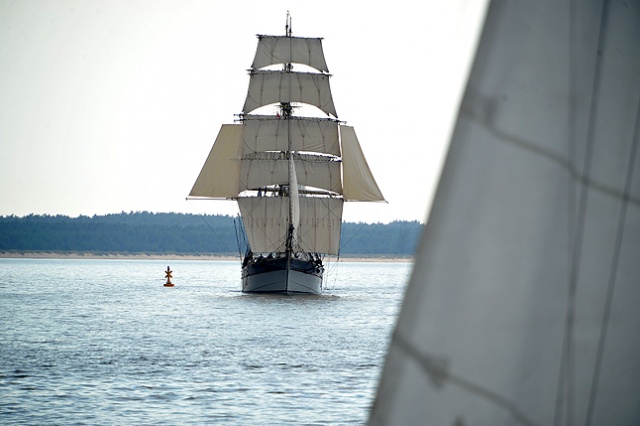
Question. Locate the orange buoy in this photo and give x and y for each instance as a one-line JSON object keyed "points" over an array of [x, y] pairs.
{"points": [[168, 277]]}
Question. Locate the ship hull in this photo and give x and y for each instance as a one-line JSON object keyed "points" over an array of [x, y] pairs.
{"points": [[278, 275]]}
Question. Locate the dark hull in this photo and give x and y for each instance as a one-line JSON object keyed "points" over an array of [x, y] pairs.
{"points": [[282, 275]]}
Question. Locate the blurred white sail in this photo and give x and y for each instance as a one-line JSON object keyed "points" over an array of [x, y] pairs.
{"points": [[522, 308]]}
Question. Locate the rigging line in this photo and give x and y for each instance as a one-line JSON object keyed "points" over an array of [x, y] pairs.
{"points": [[235, 226], [357, 231], [332, 272], [613, 272], [214, 232], [568, 350], [571, 202]]}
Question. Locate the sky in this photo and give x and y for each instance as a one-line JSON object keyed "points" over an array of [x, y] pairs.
{"points": [[113, 105]]}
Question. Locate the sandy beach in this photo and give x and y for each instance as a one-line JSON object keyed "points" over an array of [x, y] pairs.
{"points": [[153, 256]]}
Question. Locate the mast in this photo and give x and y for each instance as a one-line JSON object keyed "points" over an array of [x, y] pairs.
{"points": [[286, 113], [286, 110], [287, 25], [285, 107]]}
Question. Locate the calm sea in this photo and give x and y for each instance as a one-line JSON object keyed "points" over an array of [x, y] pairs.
{"points": [[104, 342]]}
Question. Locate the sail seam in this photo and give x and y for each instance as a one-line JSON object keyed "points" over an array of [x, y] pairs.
{"points": [[554, 157], [438, 370]]}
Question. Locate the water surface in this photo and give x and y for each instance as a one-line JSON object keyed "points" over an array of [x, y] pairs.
{"points": [[104, 342]]}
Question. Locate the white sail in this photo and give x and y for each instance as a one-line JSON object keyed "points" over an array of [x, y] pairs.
{"points": [[266, 223], [523, 305], [268, 87], [358, 181], [320, 225], [220, 175], [284, 50], [272, 168], [270, 133]]}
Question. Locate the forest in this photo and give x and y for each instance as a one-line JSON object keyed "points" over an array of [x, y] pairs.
{"points": [[177, 233]]}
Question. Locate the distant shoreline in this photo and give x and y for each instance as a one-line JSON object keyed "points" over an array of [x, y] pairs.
{"points": [[153, 256]]}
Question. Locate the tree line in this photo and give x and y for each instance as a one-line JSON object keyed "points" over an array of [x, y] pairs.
{"points": [[178, 233]]}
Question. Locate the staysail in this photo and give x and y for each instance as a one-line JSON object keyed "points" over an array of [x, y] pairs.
{"points": [[220, 175], [522, 308], [359, 184]]}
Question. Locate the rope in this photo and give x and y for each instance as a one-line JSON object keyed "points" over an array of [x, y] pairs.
{"points": [[235, 227], [357, 231], [202, 216], [567, 371], [614, 270], [331, 271]]}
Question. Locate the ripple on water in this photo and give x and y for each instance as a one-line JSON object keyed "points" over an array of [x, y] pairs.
{"points": [[82, 345]]}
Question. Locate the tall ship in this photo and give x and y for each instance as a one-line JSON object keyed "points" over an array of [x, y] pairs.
{"points": [[290, 174]]}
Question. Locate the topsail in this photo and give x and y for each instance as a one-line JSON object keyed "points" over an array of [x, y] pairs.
{"points": [[268, 87]]}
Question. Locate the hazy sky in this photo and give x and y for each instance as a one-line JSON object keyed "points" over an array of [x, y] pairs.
{"points": [[110, 106]]}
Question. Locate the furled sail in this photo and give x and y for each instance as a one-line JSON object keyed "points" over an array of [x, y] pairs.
{"points": [[523, 304], [285, 49], [359, 183], [271, 133], [294, 202], [272, 168], [266, 223], [220, 175], [268, 87]]}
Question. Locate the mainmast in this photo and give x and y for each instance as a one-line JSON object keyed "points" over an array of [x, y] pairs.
{"points": [[286, 111]]}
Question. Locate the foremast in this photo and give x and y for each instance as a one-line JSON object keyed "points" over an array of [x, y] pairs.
{"points": [[289, 83]]}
